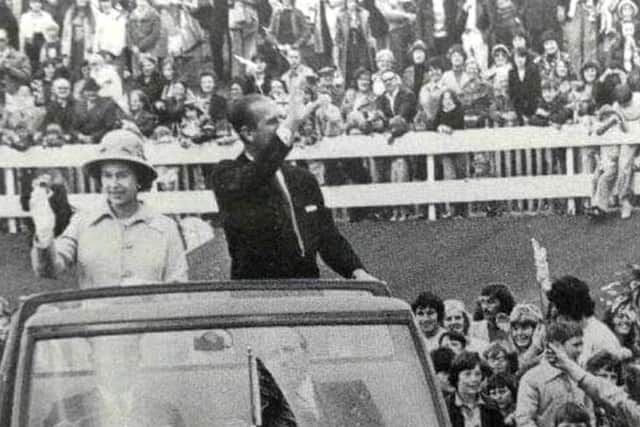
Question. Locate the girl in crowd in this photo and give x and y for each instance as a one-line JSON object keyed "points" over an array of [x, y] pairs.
{"points": [[145, 246], [457, 319], [620, 317], [450, 116], [524, 85], [359, 102]]}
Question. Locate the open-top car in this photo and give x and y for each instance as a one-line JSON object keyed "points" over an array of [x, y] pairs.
{"points": [[292, 353]]}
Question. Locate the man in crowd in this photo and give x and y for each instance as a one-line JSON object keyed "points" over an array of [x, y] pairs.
{"points": [[274, 215], [95, 115], [545, 388], [60, 110]]}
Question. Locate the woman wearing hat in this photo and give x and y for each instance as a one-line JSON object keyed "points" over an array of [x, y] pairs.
{"points": [[120, 240]]}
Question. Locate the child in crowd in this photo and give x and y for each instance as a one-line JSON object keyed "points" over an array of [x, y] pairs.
{"points": [[195, 127], [442, 357], [552, 108], [502, 389], [498, 73]]}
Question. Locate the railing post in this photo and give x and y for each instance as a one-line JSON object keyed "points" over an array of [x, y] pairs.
{"points": [[571, 202], [10, 187], [431, 176]]}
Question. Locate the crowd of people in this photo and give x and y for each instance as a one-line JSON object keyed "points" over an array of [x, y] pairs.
{"points": [[71, 71], [508, 363]]}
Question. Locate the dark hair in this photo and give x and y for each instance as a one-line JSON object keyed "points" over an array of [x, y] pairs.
{"points": [[502, 293], [605, 360], [563, 331], [571, 412], [258, 57], [571, 298], [436, 62], [210, 73], [442, 357], [607, 319], [462, 362], [499, 381], [431, 300], [633, 80], [453, 336], [271, 82], [623, 94], [240, 113], [522, 52], [144, 99], [454, 98]]}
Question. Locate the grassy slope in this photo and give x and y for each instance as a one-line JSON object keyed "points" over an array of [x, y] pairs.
{"points": [[454, 258]]}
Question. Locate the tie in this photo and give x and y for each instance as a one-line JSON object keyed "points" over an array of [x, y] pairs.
{"points": [[284, 192]]}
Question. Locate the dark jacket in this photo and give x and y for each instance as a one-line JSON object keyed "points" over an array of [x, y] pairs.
{"points": [[261, 237], [62, 116], [151, 87], [217, 108], [425, 20], [454, 118], [490, 416], [525, 93], [558, 113], [404, 105], [105, 116]]}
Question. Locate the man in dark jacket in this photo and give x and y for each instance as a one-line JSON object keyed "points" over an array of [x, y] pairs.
{"points": [[60, 110], [397, 101], [95, 115], [274, 215]]}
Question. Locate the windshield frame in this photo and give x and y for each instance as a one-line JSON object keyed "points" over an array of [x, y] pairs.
{"points": [[32, 334]]}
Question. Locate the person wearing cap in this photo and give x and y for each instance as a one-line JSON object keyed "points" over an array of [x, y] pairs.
{"points": [[274, 214], [354, 41], [118, 241], [526, 333], [94, 115], [416, 74]]}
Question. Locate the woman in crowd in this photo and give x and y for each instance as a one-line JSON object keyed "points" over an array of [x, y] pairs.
{"points": [[140, 112], [77, 35], [150, 81], [476, 97], [620, 317], [431, 92], [171, 109], [467, 375], [457, 319], [359, 102], [145, 246], [236, 89], [524, 85], [450, 117]]}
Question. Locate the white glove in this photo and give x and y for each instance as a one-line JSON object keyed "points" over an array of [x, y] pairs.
{"points": [[43, 217]]}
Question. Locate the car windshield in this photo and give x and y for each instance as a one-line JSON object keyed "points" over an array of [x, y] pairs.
{"points": [[345, 374]]}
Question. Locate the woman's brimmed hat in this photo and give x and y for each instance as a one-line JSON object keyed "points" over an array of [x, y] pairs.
{"points": [[417, 45], [500, 48], [125, 146]]}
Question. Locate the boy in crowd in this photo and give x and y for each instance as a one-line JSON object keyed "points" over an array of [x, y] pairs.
{"points": [[552, 108]]}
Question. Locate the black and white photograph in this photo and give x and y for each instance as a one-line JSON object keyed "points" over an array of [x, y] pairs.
{"points": [[319, 213]]}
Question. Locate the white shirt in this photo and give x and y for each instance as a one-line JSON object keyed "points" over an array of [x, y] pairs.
{"points": [[32, 23], [471, 23], [596, 337], [111, 33], [439, 23]]}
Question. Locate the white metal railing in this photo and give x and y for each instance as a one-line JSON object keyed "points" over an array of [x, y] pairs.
{"points": [[519, 147]]}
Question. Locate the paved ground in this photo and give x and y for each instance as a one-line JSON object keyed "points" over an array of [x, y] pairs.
{"points": [[454, 258]]}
